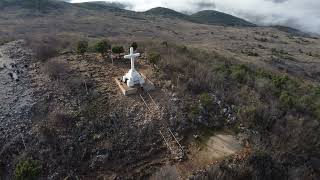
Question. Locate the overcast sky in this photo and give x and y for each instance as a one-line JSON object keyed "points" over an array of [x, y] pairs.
{"points": [[301, 14]]}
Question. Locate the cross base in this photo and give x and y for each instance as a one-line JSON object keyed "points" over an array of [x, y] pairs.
{"points": [[133, 78]]}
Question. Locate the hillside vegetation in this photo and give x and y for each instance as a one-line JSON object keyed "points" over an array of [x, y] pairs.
{"points": [[219, 18], [283, 110]]}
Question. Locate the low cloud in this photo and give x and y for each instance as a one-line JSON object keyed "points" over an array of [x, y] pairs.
{"points": [[301, 14]]}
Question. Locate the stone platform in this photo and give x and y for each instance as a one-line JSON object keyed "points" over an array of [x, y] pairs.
{"points": [[148, 86], [124, 88]]}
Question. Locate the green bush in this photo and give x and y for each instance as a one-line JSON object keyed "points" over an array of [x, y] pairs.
{"points": [[249, 53], [240, 73], [224, 69], [280, 81], [27, 170], [118, 49], [206, 100], [305, 101], [248, 114], [154, 57], [82, 47], [261, 39], [309, 102], [263, 86], [256, 116], [134, 45], [286, 99], [194, 111], [182, 49], [281, 54], [252, 54], [102, 47]]}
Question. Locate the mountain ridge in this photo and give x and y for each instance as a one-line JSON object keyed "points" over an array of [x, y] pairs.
{"points": [[217, 18], [210, 17]]}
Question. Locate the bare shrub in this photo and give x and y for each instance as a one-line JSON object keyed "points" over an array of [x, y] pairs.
{"points": [[57, 119], [45, 52], [47, 133], [55, 69], [61, 119], [79, 85], [46, 47], [53, 123]]}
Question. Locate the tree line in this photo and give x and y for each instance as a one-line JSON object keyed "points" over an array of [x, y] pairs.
{"points": [[102, 47]]}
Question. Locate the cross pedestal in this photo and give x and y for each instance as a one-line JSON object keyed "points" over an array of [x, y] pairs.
{"points": [[132, 78]]}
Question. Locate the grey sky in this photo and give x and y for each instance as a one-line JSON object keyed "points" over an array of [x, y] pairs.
{"points": [[301, 14]]}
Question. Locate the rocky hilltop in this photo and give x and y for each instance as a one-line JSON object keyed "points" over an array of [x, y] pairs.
{"points": [[231, 101]]}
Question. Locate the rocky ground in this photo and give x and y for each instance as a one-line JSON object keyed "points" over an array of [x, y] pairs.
{"points": [[69, 114], [16, 91]]}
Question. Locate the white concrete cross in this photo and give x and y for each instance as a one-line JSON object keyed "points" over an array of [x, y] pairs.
{"points": [[132, 77], [132, 56]]}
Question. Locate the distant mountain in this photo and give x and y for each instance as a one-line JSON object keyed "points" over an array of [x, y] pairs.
{"points": [[204, 17], [102, 5], [218, 18], [209, 17], [98, 6], [168, 13], [293, 31], [35, 4]]}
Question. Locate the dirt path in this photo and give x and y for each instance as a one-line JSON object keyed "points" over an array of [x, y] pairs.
{"points": [[209, 152]]}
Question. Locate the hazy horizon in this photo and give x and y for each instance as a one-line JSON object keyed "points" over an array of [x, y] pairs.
{"points": [[303, 15]]}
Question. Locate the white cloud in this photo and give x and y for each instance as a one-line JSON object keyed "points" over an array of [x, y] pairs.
{"points": [[302, 14]]}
